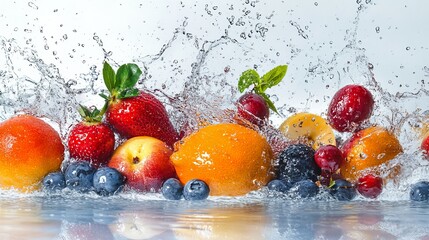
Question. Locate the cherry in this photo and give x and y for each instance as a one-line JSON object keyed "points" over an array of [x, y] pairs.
{"points": [[349, 107], [425, 146], [253, 108], [328, 158], [370, 186]]}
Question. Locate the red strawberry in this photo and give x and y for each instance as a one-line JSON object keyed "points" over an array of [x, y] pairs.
{"points": [[132, 112], [91, 140]]}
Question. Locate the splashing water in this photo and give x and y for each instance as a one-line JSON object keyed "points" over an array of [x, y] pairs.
{"points": [[192, 61]]}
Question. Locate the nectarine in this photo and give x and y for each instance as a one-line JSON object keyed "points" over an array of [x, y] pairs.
{"points": [[370, 147], [145, 163], [29, 149]]}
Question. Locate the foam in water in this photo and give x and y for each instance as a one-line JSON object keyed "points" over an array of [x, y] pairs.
{"points": [[194, 71]]}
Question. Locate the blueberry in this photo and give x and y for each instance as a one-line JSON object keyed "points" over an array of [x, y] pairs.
{"points": [[279, 185], [420, 191], [196, 189], [54, 181], [305, 189], [297, 163], [172, 189], [108, 181], [343, 190], [79, 176]]}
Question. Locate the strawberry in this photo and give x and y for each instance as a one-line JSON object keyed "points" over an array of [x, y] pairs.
{"points": [[132, 112], [91, 140], [255, 106]]}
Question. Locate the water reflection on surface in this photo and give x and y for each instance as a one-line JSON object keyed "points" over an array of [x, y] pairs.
{"points": [[119, 218]]}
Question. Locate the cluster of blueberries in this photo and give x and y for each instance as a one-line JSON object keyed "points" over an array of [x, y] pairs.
{"points": [[298, 174], [82, 177], [106, 181]]}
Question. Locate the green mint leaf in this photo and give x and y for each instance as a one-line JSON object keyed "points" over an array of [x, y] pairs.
{"points": [[108, 76], [269, 102], [129, 92], [127, 76], [248, 78], [273, 77]]}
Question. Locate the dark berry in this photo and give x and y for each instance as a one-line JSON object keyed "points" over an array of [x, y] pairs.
{"points": [[420, 191], [349, 107], [108, 181], [79, 176], [343, 190], [253, 108], [370, 186], [172, 189], [279, 185], [297, 163], [54, 181], [305, 189], [328, 158], [196, 189]]}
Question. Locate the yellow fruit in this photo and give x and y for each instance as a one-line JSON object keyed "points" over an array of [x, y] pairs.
{"points": [[232, 159], [368, 148], [29, 149], [310, 128]]}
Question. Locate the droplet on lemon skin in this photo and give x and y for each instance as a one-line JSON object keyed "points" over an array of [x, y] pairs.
{"points": [[29, 149], [232, 159], [308, 128], [368, 148]]}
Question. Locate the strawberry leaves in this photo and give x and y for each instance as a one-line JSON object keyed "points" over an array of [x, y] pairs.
{"points": [[121, 85], [90, 115], [261, 84]]}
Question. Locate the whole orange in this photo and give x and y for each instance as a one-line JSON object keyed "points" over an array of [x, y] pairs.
{"points": [[29, 149], [368, 148], [232, 159]]}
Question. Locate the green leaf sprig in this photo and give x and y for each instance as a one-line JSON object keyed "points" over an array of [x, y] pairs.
{"points": [[261, 84], [122, 83], [91, 115]]}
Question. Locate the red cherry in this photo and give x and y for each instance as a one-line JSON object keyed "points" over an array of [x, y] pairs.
{"points": [[253, 108], [425, 146], [328, 158], [349, 107], [370, 186]]}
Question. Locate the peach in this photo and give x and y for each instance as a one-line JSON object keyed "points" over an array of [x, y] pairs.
{"points": [[368, 148], [144, 161], [29, 149]]}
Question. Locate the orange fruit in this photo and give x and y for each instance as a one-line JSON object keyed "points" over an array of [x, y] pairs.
{"points": [[29, 149], [232, 159], [368, 148]]}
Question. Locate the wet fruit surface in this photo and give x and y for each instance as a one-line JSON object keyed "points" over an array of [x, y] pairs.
{"points": [[368, 148], [296, 163], [29, 150], [253, 108], [370, 186], [230, 158], [310, 128], [349, 107]]}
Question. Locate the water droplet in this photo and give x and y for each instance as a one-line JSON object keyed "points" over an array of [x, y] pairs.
{"points": [[407, 48], [377, 29], [380, 156], [65, 36], [363, 156], [33, 5], [316, 3]]}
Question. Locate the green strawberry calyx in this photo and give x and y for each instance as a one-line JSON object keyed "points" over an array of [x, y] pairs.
{"points": [[121, 84], [261, 84], [91, 115]]}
